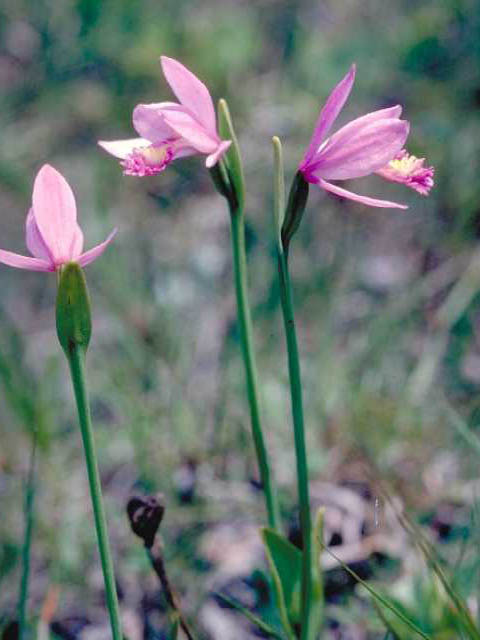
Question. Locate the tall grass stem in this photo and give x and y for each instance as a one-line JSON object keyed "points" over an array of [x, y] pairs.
{"points": [[27, 538]]}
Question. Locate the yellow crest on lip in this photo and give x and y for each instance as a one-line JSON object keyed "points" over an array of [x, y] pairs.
{"points": [[405, 165], [156, 154]]}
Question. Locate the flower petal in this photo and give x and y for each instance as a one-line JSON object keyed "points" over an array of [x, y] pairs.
{"points": [[76, 247], [193, 133], [34, 240], [149, 123], [122, 148], [55, 213], [92, 254], [329, 113], [360, 151], [370, 202], [25, 262], [214, 157], [191, 92]]}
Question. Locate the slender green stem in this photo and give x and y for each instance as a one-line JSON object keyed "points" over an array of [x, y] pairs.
{"points": [[27, 540], [308, 629], [245, 325], [76, 360]]}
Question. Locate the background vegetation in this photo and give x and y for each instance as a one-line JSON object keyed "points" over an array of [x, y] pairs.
{"points": [[388, 310]]}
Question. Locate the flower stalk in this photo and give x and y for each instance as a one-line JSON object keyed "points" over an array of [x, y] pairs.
{"points": [[294, 371], [74, 330], [287, 221], [227, 176], [245, 326]]}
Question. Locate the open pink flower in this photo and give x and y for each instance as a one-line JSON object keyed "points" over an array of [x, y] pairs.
{"points": [[366, 145], [53, 236], [170, 130]]}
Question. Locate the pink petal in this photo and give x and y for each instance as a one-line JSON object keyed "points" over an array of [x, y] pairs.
{"points": [[370, 202], [191, 92], [34, 240], [55, 213], [389, 113], [92, 254], [360, 151], [329, 113], [122, 148], [76, 247], [193, 133], [149, 123], [25, 262], [214, 157]]}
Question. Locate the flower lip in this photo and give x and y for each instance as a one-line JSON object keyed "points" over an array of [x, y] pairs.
{"points": [[409, 170], [52, 234]]}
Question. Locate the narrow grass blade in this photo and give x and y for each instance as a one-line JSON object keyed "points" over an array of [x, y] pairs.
{"points": [[263, 626], [378, 597]]}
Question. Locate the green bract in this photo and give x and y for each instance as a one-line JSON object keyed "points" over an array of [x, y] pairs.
{"points": [[74, 323]]}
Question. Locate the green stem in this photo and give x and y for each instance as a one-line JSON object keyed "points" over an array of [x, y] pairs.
{"points": [[27, 540], [308, 630], [76, 360], [245, 324]]}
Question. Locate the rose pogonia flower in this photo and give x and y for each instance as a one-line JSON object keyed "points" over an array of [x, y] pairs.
{"points": [[171, 130], [53, 236], [370, 144]]}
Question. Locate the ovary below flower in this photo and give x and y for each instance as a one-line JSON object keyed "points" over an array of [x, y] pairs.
{"points": [[410, 171], [53, 236], [171, 130]]}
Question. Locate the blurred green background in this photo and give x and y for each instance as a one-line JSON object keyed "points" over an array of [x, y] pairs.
{"points": [[388, 304]]}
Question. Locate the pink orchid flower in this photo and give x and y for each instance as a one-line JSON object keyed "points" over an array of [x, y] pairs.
{"points": [[170, 130], [53, 236], [370, 144]]}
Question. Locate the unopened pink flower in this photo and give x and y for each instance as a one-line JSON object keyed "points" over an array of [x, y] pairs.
{"points": [[410, 171], [366, 145], [53, 236], [171, 130]]}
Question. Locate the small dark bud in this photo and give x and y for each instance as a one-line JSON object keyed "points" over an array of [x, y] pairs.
{"points": [[145, 514]]}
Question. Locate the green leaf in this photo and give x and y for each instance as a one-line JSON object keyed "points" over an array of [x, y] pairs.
{"points": [[379, 597], [174, 627], [74, 324], [232, 156], [261, 624], [318, 605], [278, 188], [285, 562]]}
